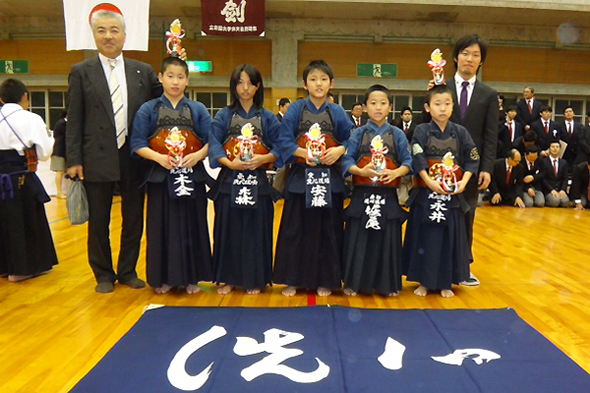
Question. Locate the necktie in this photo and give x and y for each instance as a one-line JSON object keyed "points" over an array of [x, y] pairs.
{"points": [[117, 101], [569, 129], [406, 128], [463, 102], [508, 175], [547, 127], [511, 133], [555, 167], [530, 107]]}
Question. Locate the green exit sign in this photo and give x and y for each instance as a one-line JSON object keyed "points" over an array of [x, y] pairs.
{"points": [[199, 66], [14, 66], [376, 70]]}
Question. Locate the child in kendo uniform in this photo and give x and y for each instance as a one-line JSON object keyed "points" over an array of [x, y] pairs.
{"points": [[378, 157], [243, 142], [313, 137], [436, 251], [172, 133]]}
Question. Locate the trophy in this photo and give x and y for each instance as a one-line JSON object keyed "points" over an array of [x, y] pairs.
{"points": [[378, 151], [316, 146], [175, 143], [437, 63], [446, 172], [247, 142], [175, 35]]}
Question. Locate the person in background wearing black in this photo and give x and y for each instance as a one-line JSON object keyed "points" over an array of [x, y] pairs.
{"points": [[58, 157]]}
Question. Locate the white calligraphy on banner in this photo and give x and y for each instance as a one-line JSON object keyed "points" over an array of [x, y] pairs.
{"points": [[234, 13], [274, 342]]}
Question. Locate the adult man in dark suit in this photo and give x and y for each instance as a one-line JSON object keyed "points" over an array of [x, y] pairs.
{"points": [[506, 185], [509, 134], [570, 134], [283, 106], [476, 108], [580, 191], [356, 115], [407, 125], [546, 129], [529, 109], [555, 177], [104, 94], [532, 176], [583, 142]]}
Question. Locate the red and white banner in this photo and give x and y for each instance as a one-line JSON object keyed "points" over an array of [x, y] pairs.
{"points": [[79, 33], [233, 17]]}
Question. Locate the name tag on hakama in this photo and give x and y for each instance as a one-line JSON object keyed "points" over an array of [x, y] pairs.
{"points": [[244, 190], [318, 189], [181, 183]]}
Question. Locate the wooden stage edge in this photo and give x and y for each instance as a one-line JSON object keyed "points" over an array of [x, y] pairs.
{"points": [[55, 328]]}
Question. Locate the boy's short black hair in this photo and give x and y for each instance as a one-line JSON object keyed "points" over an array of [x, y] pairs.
{"points": [[438, 89], [255, 78], [173, 60], [284, 101], [555, 141], [466, 42], [531, 149], [546, 108], [501, 96], [530, 136], [512, 107], [374, 88], [406, 108], [568, 107], [319, 65], [12, 91]]}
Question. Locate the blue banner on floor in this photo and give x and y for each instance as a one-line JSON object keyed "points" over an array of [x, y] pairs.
{"points": [[333, 349]]}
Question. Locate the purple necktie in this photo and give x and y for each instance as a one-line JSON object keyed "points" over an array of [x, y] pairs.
{"points": [[463, 102]]}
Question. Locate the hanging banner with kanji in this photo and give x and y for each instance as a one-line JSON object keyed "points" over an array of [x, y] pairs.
{"points": [[238, 18]]}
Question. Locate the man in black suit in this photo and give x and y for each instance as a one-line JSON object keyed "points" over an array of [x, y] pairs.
{"points": [[555, 177], [356, 115], [532, 176], [283, 106], [546, 129], [529, 109], [580, 191], [570, 134], [407, 124], [510, 132], [583, 142], [506, 185], [476, 108], [104, 94]]}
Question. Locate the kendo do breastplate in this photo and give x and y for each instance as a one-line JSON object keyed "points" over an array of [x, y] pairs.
{"points": [[435, 152], [389, 160], [324, 120], [175, 132], [244, 138]]}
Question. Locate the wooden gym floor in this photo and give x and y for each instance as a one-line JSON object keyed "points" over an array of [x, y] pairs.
{"points": [[55, 328]]}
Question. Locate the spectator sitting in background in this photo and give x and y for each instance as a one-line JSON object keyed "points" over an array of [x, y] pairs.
{"points": [[506, 187], [532, 176], [555, 177], [580, 191]]}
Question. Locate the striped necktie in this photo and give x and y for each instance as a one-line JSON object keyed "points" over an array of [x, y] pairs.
{"points": [[117, 101]]}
